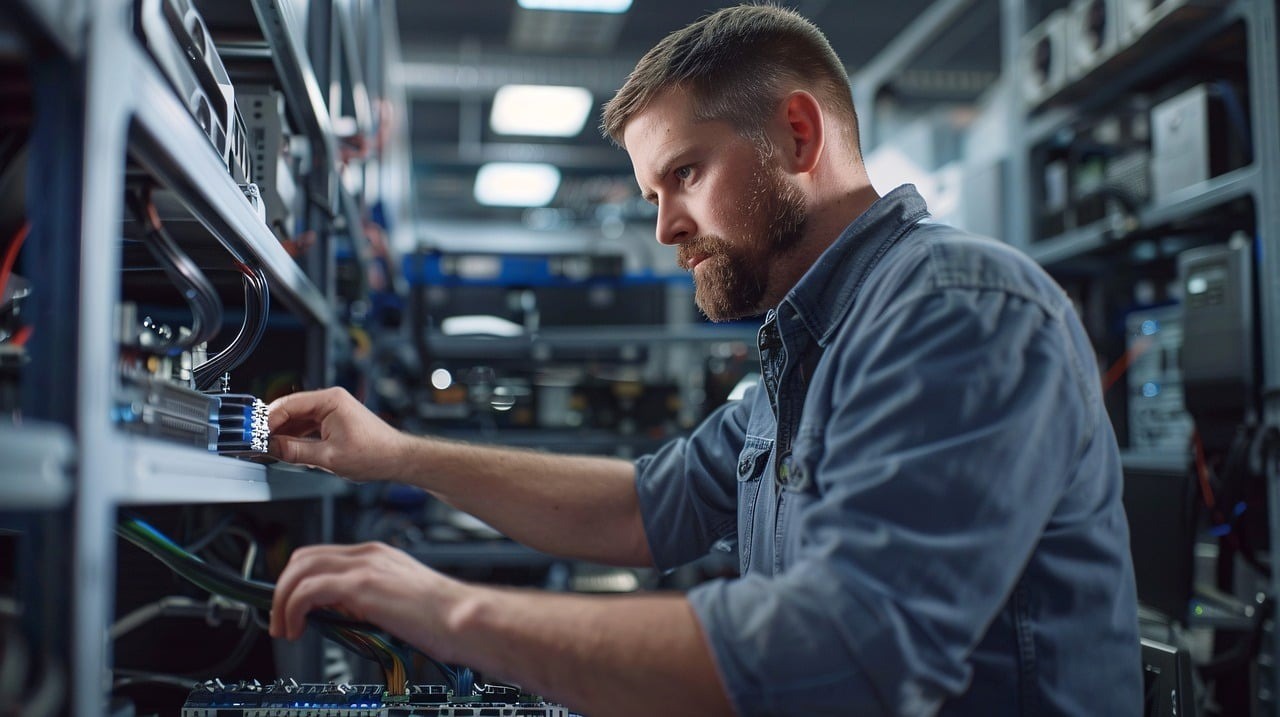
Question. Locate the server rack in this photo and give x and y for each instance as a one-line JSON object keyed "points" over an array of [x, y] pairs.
{"points": [[103, 114]]}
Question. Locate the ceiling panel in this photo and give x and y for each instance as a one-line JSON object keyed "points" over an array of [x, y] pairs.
{"points": [[457, 54]]}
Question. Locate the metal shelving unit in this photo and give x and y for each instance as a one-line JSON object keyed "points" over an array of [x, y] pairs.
{"points": [[105, 116], [494, 553], [173, 148], [160, 473], [1133, 66], [544, 342], [36, 472], [1185, 203], [1163, 462]]}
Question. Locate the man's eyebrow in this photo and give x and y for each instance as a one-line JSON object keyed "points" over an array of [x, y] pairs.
{"points": [[664, 169]]}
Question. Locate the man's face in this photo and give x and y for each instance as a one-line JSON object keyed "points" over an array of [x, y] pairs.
{"points": [[722, 201]]}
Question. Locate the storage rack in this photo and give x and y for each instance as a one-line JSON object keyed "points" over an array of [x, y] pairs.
{"points": [[98, 103]]}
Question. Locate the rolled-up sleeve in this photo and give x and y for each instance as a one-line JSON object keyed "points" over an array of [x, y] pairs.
{"points": [[954, 421], [688, 489]]}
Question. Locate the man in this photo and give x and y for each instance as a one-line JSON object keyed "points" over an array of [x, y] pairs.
{"points": [[925, 488]]}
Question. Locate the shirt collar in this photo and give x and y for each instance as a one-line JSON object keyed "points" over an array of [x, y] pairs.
{"points": [[829, 287]]}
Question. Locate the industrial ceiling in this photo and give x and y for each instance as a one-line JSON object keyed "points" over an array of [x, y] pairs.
{"points": [[457, 54]]}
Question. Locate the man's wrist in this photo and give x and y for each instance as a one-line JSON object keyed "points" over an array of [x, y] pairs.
{"points": [[404, 459], [464, 616]]}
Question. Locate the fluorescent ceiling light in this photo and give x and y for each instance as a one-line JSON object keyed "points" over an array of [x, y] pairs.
{"points": [[513, 184], [540, 110], [610, 6]]}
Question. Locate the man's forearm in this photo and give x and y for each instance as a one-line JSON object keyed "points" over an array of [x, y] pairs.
{"points": [[576, 506], [641, 655]]}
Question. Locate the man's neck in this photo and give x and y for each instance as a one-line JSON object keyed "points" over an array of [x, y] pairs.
{"points": [[828, 218]]}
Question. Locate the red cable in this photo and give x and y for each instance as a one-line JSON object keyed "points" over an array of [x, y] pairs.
{"points": [[1202, 471], [11, 254], [1122, 364]]}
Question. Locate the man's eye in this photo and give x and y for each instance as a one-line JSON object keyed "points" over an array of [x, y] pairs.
{"points": [[683, 173]]}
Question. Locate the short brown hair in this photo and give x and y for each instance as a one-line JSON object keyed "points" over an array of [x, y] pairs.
{"points": [[736, 64]]}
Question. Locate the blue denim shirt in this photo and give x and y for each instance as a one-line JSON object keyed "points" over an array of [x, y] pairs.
{"points": [[924, 488]]}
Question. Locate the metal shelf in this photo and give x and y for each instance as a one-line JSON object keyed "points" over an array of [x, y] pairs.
{"points": [[297, 78], [159, 473], [1183, 204], [1071, 244], [594, 337], [1132, 66], [284, 45], [35, 473], [175, 149], [496, 553], [1146, 460], [1196, 199]]}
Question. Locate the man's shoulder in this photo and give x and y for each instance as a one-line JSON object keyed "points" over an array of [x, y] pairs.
{"points": [[938, 257]]}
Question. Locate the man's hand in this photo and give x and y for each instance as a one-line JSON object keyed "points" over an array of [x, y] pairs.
{"points": [[597, 655], [371, 582], [330, 429]]}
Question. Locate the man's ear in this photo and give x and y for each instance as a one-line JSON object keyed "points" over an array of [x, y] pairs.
{"points": [[801, 131]]}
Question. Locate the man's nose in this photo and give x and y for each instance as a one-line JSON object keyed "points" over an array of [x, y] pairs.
{"points": [[675, 226]]}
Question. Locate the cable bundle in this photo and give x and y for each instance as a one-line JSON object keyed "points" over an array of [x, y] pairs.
{"points": [[359, 637], [257, 305], [206, 306]]}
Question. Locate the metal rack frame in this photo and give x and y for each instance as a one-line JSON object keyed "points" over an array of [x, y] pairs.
{"points": [[69, 462]]}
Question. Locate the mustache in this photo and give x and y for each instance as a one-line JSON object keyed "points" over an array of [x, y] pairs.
{"points": [[700, 246]]}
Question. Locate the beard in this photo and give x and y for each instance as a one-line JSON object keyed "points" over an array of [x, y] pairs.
{"points": [[732, 282]]}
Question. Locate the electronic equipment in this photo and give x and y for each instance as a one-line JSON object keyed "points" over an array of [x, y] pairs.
{"points": [[175, 35], [1043, 57], [226, 423], [1158, 419], [270, 146], [1219, 368], [1093, 34], [1100, 170], [1160, 504], [287, 698], [1198, 134], [1166, 676], [1142, 17]]}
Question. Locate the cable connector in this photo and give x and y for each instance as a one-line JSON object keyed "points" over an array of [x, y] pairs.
{"points": [[242, 424]]}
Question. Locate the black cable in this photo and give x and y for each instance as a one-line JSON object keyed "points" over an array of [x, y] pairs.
{"points": [[257, 299], [139, 677], [199, 292], [203, 541], [254, 593]]}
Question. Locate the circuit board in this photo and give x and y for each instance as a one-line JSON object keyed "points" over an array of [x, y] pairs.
{"points": [[290, 699]]}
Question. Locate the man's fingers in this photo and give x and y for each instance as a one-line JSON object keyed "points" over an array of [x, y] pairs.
{"points": [[305, 564], [306, 408], [296, 450], [315, 591]]}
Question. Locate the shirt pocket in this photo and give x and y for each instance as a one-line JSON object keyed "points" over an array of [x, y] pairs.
{"points": [[752, 462]]}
